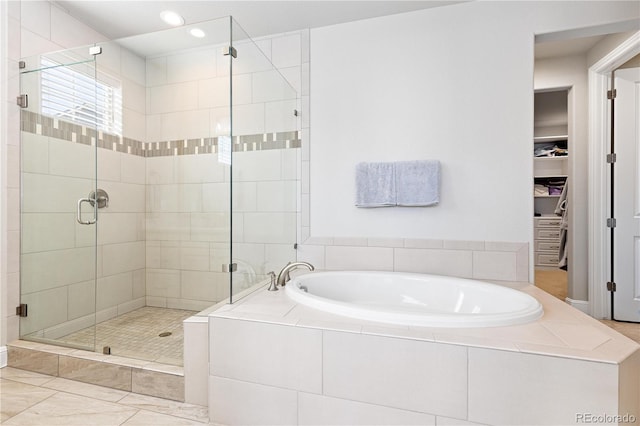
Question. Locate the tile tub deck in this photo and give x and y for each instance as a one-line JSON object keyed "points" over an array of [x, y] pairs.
{"points": [[268, 348]]}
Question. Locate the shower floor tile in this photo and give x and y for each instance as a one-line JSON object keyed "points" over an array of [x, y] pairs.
{"points": [[136, 334]]}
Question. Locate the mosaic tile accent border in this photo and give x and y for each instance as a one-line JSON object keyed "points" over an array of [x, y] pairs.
{"points": [[259, 142], [48, 126]]}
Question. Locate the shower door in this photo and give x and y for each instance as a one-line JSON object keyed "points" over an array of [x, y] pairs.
{"points": [[58, 214]]}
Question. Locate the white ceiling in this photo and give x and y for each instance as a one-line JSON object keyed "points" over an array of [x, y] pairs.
{"points": [[117, 19]]}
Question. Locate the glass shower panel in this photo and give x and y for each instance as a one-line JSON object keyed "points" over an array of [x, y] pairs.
{"points": [[164, 239], [266, 148], [58, 219]]}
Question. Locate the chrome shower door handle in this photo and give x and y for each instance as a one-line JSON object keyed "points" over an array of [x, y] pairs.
{"points": [[91, 221]]}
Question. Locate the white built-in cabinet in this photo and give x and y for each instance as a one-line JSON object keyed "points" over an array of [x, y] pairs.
{"points": [[550, 171]]}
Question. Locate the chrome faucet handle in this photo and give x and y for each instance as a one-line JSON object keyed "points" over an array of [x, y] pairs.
{"points": [[272, 285]]}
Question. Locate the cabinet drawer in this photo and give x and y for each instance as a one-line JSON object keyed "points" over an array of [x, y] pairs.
{"points": [[547, 234], [552, 246], [546, 259], [548, 222]]}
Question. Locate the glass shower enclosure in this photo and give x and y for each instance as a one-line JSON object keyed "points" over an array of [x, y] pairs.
{"points": [[157, 170]]}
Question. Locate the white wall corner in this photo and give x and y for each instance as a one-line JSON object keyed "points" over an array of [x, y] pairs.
{"points": [[581, 305]]}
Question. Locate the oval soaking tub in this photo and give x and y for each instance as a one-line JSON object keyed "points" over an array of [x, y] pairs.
{"points": [[414, 299]]}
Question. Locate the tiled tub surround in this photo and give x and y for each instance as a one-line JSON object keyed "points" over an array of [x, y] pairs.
{"points": [[273, 361], [484, 260]]}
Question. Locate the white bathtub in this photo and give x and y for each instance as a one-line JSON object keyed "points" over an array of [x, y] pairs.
{"points": [[414, 299]]}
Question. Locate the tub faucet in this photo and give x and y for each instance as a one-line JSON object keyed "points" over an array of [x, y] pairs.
{"points": [[272, 282], [283, 276]]}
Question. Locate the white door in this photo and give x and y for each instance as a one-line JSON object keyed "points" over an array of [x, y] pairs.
{"points": [[626, 298]]}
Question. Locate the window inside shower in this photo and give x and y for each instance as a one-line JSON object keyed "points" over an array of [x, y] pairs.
{"points": [[80, 98]]}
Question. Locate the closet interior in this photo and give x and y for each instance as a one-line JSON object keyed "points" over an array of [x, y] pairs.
{"points": [[550, 185]]}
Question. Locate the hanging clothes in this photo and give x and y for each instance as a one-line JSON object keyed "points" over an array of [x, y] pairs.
{"points": [[562, 210]]}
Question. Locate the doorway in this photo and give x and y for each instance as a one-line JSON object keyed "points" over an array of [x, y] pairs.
{"points": [[600, 271], [625, 192]]}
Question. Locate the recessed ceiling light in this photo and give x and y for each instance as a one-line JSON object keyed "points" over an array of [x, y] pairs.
{"points": [[197, 32], [172, 18]]}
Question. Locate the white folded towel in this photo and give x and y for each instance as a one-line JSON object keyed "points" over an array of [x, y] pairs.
{"points": [[417, 183], [375, 185]]}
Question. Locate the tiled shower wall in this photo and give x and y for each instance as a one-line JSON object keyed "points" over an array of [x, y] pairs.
{"points": [[164, 237], [188, 223]]}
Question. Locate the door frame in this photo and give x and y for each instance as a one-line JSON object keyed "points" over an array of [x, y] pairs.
{"points": [[598, 268]]}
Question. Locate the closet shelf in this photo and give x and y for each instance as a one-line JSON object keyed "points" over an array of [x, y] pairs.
{"points": [[551, 175], [539, 139], [557, 158]]}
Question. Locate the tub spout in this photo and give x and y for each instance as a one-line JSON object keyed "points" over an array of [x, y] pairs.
{"points": [[283, 276]]}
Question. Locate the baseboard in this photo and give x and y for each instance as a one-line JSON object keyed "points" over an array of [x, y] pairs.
{"points": [[582, 305], [3, 356]]}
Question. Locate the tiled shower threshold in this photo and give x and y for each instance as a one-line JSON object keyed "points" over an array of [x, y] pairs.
{"points": [[141, 362]]}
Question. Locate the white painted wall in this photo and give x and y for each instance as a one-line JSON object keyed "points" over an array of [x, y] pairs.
{"points": [[571, 72], [454, 84]]}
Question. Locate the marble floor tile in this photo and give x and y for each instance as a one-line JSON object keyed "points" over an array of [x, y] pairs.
{"points": [[165, 406], [85, 389], [15, 397], [57, 401], [66, 409], [147, 418], [24, 376]]}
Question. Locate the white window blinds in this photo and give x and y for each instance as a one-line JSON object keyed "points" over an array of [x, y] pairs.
{"points": [[73, 95]]}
